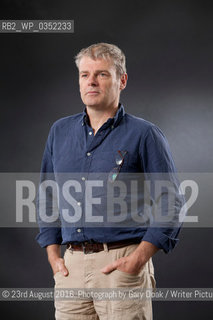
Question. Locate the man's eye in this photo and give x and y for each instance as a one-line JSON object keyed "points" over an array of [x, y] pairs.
{"points": [[83, 75], [103, 74]]}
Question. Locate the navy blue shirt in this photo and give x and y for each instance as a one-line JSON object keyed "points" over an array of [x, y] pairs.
{"points": [[72, 147]]}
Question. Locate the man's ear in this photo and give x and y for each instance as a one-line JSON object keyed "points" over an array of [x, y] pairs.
{"points": [[123, 81]]}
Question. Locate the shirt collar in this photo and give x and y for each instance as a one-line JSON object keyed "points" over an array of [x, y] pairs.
{"points": [[85, 119], [111, 121]]}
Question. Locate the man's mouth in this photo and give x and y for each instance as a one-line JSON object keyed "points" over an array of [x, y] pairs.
{"points": [[92, 93]]}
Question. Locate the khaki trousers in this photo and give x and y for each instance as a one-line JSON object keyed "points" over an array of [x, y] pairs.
{"points": [[84, 272]]}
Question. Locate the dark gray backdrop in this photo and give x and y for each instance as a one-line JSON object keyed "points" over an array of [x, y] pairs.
{"points": [[169, 49]]}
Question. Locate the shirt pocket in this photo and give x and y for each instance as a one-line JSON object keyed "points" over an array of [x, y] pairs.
{"points": [[104, 162]]}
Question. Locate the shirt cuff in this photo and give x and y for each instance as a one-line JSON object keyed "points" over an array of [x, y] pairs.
{"points": [[165, 239], [49, 236]]}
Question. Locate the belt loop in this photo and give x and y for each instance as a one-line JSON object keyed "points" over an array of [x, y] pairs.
{"points": [[69, 247], [105, 247]]}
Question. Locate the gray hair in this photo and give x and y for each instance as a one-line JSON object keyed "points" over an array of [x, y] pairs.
{"points": [[104, 51]]}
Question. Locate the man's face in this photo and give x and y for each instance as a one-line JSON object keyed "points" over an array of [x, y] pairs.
{"points": [[99, 84]]}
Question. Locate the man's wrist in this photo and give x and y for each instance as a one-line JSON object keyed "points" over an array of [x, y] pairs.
{"points": [[139, 257], [145, 251], [53, 252], [53, 258]]}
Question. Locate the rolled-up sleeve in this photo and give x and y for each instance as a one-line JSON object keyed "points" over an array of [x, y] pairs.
{"points": [[50, 233], [162, 238], [158, 164]]}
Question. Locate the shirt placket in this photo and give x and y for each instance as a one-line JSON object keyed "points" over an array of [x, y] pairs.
{"points": [[92, 143]]}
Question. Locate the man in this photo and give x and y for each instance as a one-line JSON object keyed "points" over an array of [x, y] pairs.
{"points": [[90, 142]]}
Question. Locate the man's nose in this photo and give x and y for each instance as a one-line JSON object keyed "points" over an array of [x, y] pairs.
{"points": [[92, 80]]}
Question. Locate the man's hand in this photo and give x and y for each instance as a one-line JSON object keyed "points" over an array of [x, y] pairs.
{"points": [[130, 264], [133, 263], [55, 260], [58, 265]]}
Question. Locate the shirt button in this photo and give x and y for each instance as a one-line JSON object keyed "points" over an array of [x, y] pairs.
{"points": [[79, 204], [83, 178], [78, 230], [112, 127], [90, 133], [88, 154]]}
